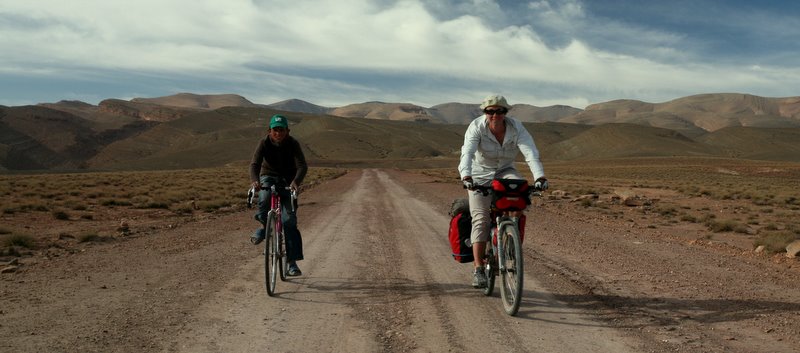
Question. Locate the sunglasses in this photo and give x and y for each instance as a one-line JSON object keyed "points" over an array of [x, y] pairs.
{"points": [[495, 111]]}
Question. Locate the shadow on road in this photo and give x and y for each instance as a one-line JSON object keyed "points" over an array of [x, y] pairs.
{"points": [[637, 312]]}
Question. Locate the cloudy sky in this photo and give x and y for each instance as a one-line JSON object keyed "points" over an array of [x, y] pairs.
{"points": [[426, 52]]}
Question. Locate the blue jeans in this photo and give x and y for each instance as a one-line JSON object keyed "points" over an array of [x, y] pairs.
{"points": [[294, 242]]}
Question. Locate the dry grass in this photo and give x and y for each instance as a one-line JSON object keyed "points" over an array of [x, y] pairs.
{"points": [[83, 200], [751, 197], [68, 196]]}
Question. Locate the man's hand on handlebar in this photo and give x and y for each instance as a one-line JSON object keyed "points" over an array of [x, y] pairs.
{"points": [[256, 186], [468, 182], [541, 184]]}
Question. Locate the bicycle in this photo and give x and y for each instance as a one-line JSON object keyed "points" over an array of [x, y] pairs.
{"points": [[504, 257], [275, 261]]}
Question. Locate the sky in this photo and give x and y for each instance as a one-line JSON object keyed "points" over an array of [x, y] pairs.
{"points": [[424, 52]]}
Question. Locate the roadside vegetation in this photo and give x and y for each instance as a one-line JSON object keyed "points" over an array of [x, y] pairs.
{"points": [[755, 199], [60, 199]]}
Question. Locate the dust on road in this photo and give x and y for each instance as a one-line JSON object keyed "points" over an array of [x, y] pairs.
{"points": [[378, 277]]}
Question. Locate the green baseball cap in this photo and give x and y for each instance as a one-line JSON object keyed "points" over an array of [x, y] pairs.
{"points": [[278, 121]]}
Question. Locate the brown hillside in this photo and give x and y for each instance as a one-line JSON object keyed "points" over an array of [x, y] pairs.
{"points": [[456, 113], [716, 111], [54, 129], [144, 111], [709, 112], [198, 101], [338, 138], [299, 106], [103, 120], [119, 134], [385, 111], [530, 113], [36, 137], [756, 143], [547, 134], [205, 138], [626, 140]]}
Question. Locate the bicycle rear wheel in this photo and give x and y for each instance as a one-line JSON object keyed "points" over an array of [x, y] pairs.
{"points": [[511, 289], [490, 269], [271, 256]]}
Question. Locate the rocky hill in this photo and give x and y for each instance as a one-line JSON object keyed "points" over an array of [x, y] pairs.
{"points": [[186, 131]]}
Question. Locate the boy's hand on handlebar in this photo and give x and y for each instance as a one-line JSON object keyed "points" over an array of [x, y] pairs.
{"points": [[256, 186], [294, 188], [541, 184]]}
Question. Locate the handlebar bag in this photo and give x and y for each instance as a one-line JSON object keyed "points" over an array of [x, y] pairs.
{"points": [[510, 194]]}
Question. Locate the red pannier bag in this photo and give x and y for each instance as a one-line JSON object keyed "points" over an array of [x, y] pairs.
{"points": [[460, 230], [459, 237]]}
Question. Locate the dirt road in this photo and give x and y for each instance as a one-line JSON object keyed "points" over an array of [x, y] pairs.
{"points": [[378, 278]]}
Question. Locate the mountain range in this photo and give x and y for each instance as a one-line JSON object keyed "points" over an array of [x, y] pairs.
{"points": [[190, 130]]}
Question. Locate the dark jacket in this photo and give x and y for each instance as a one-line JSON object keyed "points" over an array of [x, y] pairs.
{"points": [[286, 161]]}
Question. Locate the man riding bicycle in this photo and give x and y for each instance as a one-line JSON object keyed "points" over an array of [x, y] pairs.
{"points": [[279, 159], [491, 144]]}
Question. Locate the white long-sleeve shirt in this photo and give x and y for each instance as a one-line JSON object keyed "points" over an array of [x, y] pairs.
{"points": [[482, 156]]}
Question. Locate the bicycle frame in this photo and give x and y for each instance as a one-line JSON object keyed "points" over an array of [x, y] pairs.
{"points": [[275, 263], [275, 208]]}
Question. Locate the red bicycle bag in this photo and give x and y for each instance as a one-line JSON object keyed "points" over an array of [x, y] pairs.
{"points": [[459, 237], [510, 194]]}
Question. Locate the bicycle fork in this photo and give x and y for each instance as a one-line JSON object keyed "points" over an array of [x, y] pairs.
{"points": [[502, 222]]}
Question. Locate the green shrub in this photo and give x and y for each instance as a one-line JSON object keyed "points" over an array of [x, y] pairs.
{"points": [[20, 240], [775, 242], [726, 226], [689, 218], [155, 204], [92, 237], [61, 215], [114, 202], [771, 226], [666, 211]]}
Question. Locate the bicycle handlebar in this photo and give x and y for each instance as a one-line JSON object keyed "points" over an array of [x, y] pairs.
{"points": [[486, 190], [252, 194]]}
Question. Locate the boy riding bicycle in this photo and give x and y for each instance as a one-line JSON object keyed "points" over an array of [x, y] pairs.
{"points": [[491, 144], [279, 159]]}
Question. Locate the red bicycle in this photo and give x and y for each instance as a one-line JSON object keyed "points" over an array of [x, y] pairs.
{"points": [[275, 261]]}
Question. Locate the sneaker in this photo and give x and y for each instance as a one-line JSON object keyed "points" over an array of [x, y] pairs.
{"points": [[294, 270], [479, 278], [258, 236]]}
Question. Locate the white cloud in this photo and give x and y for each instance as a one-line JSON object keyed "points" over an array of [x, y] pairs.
{"points": [[308, 48]]}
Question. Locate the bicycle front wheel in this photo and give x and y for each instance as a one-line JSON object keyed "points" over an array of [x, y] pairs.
{"points": [[280, 245], [512, 274], [271, 258]]}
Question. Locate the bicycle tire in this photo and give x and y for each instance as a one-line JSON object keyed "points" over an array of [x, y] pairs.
{"points": [[512, 275], [490, 269], [270, 258]]}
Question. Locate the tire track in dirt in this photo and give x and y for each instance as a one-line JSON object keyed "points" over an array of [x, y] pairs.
{"points": [[378, 276]]}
